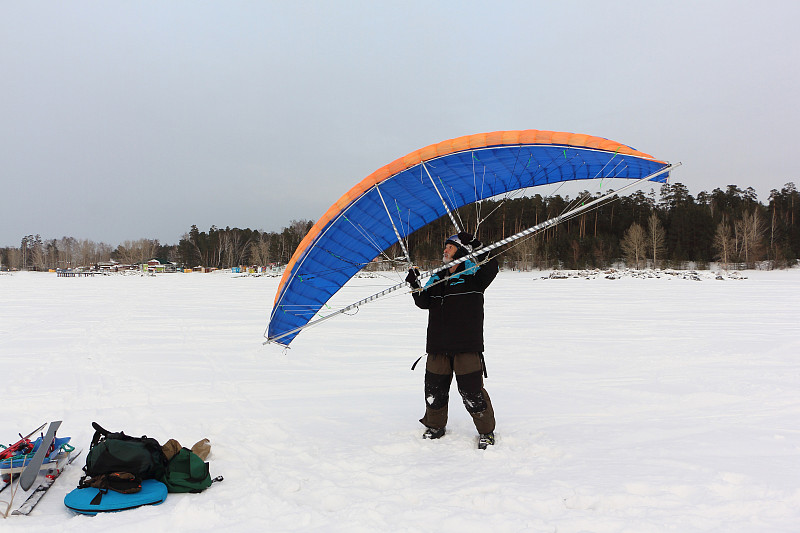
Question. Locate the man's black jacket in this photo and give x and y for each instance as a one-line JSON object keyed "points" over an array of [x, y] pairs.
{"points": [[455, 307]]}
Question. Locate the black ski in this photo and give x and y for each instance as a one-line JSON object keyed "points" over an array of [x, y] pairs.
{"points": [[6, 484], [38, 493], [28, 475]]}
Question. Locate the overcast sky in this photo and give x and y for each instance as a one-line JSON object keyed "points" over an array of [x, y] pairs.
{"points": [[127, 120]]}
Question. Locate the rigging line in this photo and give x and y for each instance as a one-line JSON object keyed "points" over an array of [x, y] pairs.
{"points": [[599, 172], [517, 162], [520, 191], [563, 219], [607, 163], [313, 274], [483, 197], [408, 225], [612, 171], [568, 212], [479, 204], [404, 227], [315, 308], [475, 190], [523, 188], [359, 264], [582, 196], [509, 195], [450, 198], [397, 233], [618, 172], [360, 229], [364, 233], [474, 183], [577, 201], [484, 250], [446, 207], [309, 276], [566, 161], [586, 194], [606, 201], [545, 170], [374, 243], [479, 198]]}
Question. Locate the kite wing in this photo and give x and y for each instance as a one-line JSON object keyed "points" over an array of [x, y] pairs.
{"points": [[415, 190]]}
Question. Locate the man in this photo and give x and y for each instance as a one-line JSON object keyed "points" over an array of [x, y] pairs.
{"points": [[454, 300]]}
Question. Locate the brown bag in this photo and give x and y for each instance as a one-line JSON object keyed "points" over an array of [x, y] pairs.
{"points": [[123, 482], [170, 448], [201, 448]]}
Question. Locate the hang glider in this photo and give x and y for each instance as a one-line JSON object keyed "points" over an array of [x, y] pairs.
{"points": [[419, 188]]}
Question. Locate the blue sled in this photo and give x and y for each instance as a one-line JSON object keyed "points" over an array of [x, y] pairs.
{"points": [[81, 500]]}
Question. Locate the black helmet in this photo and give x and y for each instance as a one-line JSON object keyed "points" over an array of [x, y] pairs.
{"points": [[461, 242]]}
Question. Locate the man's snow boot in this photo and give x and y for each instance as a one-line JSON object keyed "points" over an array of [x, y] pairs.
{"points": [[432, 433], [486, 440]]}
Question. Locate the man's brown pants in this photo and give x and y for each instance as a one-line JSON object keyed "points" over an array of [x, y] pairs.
{"points": [[468, 369]]}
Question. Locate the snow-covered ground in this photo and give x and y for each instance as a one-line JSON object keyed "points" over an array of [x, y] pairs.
{"points": [[624, 404]]}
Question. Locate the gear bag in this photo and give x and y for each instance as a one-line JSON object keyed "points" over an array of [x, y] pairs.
{"points": [[187, 472], [117, 452]]}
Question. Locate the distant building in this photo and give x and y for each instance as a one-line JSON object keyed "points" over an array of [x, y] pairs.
{"points": [[154, 265], [109, 266]]}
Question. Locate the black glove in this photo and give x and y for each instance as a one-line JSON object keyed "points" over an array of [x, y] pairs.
{"points": [[469, 240], [411, 279], [465, 238]]}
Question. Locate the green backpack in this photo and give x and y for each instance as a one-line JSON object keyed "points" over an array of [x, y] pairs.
{"points": [[187, 472], [118, 452]]}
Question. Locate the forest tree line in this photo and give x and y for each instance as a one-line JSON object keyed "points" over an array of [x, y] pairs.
{"points": [[728, 226], [216, 248]]}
